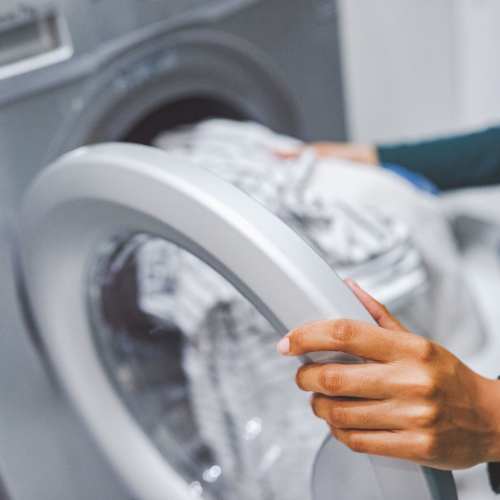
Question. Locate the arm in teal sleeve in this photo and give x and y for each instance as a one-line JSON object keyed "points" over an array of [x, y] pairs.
{"points": [[454, 162]]}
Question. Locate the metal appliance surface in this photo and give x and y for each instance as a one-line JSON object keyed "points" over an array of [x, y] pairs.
{"points": [[97, 193], [74, 72], [125, 69]]}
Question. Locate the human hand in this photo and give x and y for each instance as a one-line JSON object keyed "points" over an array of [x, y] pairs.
{"points": [[413, 400], [359, 153]]}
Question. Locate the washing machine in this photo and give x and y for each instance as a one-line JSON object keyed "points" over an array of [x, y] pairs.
{"points": [[96, 399], [75, 72], [189, 414]]}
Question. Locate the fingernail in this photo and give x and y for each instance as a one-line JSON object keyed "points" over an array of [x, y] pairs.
{"points": [[284, 346]]}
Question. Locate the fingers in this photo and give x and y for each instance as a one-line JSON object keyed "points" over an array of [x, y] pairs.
{"points": [[321, 150], [359, 414], [351, 337], [377, 310], [360, 153], [398, 444], [370, 380], [290, 154]]}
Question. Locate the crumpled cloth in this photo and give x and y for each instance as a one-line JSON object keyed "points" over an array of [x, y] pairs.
{"points": [[368, 224], [215, 398], [357, 240]]}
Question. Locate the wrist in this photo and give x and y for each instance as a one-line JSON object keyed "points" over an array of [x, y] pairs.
{"points": [[488, 392]]}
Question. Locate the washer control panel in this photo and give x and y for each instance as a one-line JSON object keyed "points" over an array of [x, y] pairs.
{"points": [[39, 33], [32, 35]]}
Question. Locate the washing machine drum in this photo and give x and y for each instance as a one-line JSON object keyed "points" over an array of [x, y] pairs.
{"points": [[205, 407]]}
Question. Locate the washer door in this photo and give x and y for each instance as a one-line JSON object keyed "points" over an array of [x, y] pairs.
{"points": [[73, 242]]}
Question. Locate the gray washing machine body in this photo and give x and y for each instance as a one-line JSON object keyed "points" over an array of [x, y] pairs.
{"points": [[74, 72], [96, 194], [103, 67]]}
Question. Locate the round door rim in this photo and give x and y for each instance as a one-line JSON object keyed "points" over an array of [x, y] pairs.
{"points": [[97, 192]]}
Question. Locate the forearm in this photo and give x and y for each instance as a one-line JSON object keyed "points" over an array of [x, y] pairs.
{"points": [[455, 162]]}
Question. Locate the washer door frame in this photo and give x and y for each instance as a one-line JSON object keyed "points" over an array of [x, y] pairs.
{"points": [[95, 193]]}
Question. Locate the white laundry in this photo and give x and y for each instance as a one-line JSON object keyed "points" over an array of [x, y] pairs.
{"points": [[367, 223], [358, 241]]}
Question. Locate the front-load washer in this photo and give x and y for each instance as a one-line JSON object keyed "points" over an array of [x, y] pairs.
{"points": [[170, 427], [74, 72]]}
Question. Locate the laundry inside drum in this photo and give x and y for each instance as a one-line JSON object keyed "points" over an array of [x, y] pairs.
{"points": [[193, 361], [196, 365]]}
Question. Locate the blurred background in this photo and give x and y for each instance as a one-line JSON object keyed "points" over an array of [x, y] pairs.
{"points": [[414, 69]]}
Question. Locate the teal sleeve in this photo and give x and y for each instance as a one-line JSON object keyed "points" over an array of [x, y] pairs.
{"points": [[454, 162]]}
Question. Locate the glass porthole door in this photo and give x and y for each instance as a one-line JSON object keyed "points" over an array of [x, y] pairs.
{"points": [[122, 247]]}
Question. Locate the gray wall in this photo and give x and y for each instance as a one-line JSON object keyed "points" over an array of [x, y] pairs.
{"points": [[478, 45], [419, 67]]}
